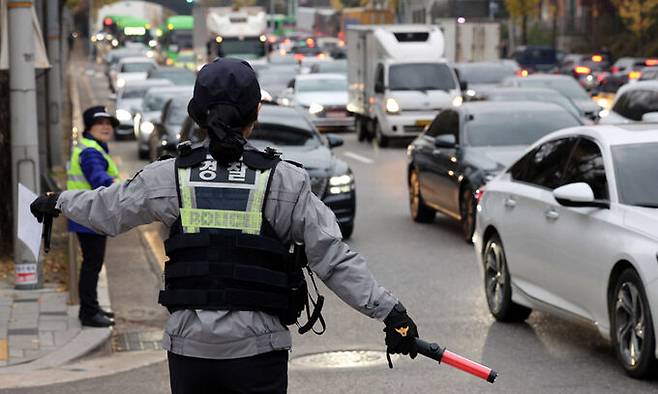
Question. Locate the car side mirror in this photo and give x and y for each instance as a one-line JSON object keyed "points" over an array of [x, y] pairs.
{"points": [[463, 85], [447, 141], [334, 141], [578, 195], [379, 87], [650, 117]]}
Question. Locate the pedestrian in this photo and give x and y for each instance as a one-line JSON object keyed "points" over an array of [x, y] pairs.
{"points": [[91, 167], [233, 212]]}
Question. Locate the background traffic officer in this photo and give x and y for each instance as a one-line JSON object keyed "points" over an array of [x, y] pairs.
{"points": [[227, 205], [91, 167]]}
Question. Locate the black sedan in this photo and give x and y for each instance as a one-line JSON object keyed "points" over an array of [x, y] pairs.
{"points": [[289, 131], [465, 147], [167, 131]]}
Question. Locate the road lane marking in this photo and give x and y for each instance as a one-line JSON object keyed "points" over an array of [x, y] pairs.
{"points": [[358, 157]]}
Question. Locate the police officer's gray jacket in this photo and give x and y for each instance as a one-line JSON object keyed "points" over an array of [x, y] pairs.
{"points": [[295, 214]]}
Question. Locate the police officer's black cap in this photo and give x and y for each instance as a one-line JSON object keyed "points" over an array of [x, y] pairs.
{"points": [[225, 81], [96, 113]]}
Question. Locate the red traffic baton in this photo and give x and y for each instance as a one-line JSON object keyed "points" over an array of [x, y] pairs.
{"points": [[442, 355]]}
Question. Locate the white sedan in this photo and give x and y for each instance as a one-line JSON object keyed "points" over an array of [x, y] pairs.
{"points": [[572, 228], [634, 102], [323, 96]]}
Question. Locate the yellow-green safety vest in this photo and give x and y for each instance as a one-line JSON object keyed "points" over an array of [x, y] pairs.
{"points": [[76, 179]]}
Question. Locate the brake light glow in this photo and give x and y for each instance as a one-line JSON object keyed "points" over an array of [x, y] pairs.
{"points": [[597, 58], [299, 56], [583, 70], [600, 77], [651, 62], [479, 193], [615, 70], [310, 43], [634, 75], [522, 73]]}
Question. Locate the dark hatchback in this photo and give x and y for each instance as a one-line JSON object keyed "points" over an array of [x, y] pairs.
{"points": [[289, 131], [466, 146]]}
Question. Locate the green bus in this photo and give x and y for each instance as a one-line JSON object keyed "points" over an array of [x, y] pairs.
{"points": [[130, 28], [176, 35], [280, 24]]}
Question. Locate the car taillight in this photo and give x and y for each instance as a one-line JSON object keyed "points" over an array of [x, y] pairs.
{"points": [[615, 70], [600, 77], [651, 62], [299, 56], [583, 70], [597, 58], [634, 75], [479, 193], [522, 73]]}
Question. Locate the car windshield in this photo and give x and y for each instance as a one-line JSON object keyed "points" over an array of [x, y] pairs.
{"points": [[566, 86], [338, 66], [249, 48], [177, 113], [635, 169], [531, 56], [155, 101], [547, 97], [283, 135], [421, 76], [178, 77], [276, 76], [322, 85], [137, 67], [481, 73], [633, 104], [134, 92], [514, 127]]}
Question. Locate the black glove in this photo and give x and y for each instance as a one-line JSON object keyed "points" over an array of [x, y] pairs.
{"points": [[45, 205], [401, 333]]}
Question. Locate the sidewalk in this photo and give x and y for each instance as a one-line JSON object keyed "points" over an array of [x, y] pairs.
{"points": [[38, 329]]}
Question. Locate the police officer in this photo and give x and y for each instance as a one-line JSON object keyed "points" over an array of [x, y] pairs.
{"points": [[233, 213], [91, 167]]}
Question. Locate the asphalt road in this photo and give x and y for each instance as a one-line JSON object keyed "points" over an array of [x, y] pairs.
{"points": [[433, 271]]}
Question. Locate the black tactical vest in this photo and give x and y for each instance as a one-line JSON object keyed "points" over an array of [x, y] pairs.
{"points": [[223, 254]]}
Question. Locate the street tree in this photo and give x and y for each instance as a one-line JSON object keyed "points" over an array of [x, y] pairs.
{"points": [[638, 15], [523, 10]]}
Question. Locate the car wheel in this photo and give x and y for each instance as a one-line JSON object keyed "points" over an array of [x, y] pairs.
{"points": [[467, 211], [347, 230], [498, 286], [382, 140], [632, 326], [420, 212]]}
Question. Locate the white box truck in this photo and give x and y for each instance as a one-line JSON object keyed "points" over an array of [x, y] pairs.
{"points": [[470, 41], [398, 79]]}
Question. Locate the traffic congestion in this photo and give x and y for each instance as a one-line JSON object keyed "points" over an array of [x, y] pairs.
{"points": [[511, 199]]}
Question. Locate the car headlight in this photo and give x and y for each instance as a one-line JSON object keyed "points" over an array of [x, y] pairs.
{"points": [[123, 115], [147, 127], [457, 101], [392, 106], [341, 184], [121, 83], [315, 109], [150, 54]]}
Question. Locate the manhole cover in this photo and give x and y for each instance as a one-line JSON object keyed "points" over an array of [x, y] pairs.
{"points": [[342, 359], [134, 341]]}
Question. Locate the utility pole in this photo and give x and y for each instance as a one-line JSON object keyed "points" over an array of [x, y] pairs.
{"points": [[42, 98], [54, 84], [200, 33], [24, 135], [91, 31]]}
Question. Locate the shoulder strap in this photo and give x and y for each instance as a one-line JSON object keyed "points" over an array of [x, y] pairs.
{"points": [[193, 158], [258, 160]]}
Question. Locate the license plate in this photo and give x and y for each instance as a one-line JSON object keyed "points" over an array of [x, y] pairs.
{"points": [[335, 114], [423, 122]]}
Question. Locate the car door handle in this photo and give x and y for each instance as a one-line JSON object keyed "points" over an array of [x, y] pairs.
{"points": [[510, 202], [551, 214]]}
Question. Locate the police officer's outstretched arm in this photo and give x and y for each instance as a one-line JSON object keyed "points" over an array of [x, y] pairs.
{"points": [[346, 273], [149, 196]]}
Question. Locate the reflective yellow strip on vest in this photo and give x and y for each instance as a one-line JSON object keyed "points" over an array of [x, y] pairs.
{"points": [[186, 198], [257, 196], [248, 222]]}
